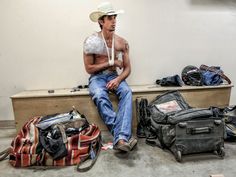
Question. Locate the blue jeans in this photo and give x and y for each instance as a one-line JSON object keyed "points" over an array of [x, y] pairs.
{"points": [[119, 124]]}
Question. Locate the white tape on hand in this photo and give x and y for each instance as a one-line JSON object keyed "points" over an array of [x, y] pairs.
{"points": [[111, 62]]}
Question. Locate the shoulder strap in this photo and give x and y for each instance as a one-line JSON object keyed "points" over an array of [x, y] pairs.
{"points": [[229, 108], [92, 155], [4, 154], [154, 142], [212, 69]]}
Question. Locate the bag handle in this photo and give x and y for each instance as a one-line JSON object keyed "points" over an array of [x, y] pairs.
{"points": [[200, 130], [93, 155], [4, 153], [212, 69]]}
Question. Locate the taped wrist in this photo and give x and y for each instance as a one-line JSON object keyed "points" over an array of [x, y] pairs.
{"points": [[111, 62]]}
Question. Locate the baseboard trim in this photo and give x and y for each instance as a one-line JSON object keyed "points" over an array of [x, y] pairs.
{"points": [[7, 124]]}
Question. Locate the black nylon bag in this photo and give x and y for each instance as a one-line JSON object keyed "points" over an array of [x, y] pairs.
{"points": [[183, 129], [159, 110], [165, 105], [170, 81]]}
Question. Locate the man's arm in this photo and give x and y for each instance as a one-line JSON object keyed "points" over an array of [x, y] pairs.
{"points": [[92, 68], [126, 63]]}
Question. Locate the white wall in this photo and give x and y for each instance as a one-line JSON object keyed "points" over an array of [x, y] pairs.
{"points": [[41, 41]]}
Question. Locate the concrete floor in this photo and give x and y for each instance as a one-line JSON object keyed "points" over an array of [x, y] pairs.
{"points": [[144, 161]]}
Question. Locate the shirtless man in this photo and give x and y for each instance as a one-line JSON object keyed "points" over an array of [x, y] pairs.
{"points": [[104, 52]]}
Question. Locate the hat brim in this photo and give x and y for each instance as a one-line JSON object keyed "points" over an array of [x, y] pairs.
{"points": [[94, 16]]}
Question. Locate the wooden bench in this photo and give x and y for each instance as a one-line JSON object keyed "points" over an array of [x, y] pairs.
{"points": [[39, 102]]}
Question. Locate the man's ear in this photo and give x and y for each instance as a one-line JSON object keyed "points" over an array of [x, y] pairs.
{"points": [[101, 22]]}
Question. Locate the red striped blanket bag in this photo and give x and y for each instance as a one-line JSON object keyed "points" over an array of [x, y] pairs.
{"points": [[26, 149]]}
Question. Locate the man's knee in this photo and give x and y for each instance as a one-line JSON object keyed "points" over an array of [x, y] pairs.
{"points": [[98, 93], [126, 91]]}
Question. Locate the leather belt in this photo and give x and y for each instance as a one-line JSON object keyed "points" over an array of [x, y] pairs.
{"points": [[106, 71]]}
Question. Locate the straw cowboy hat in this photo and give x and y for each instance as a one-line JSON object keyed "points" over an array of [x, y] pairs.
{"points": [[104, 8]]}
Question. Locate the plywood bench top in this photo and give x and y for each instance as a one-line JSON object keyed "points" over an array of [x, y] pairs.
{"points": [[134, 88]]}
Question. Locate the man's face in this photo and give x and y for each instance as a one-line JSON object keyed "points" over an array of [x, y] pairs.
{"points": [[109, 22]]}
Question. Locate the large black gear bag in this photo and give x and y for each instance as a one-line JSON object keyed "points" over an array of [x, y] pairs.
{"points": [[183, 129]]}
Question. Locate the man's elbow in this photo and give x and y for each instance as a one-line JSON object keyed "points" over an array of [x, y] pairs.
{"points": [[128, 69], [89, 70], [129, 72]]}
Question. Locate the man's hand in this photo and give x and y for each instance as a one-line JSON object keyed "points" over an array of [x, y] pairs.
{"points": [[118, 63], [113, 84]]}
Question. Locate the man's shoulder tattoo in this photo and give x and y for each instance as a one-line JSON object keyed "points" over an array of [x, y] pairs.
{"points": [[126, 46]]}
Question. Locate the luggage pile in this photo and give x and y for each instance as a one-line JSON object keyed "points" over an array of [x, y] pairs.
{"points": [[196, 76], [175, 125]]}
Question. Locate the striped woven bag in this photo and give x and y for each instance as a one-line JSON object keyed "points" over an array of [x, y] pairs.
{"points": [[27, 149]]}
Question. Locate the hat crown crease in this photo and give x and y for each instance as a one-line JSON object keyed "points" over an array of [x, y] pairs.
{"points": [[106, 8]]}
